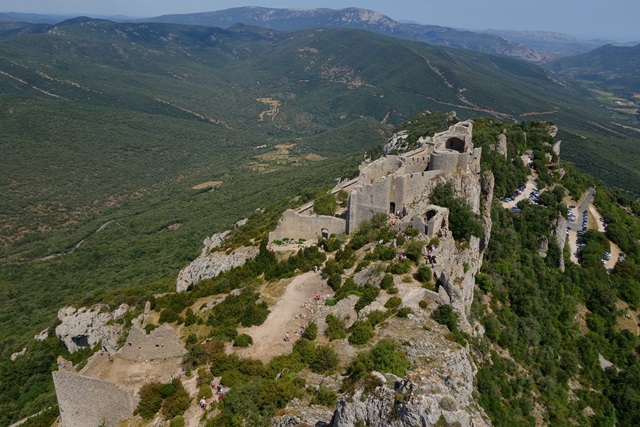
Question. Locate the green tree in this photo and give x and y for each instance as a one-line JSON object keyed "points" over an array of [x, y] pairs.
{"points": [[325, 204]]}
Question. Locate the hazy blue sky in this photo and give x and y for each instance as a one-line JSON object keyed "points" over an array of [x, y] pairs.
{"points": [[613, 19]]}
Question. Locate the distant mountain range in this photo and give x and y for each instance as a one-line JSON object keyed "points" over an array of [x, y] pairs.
{"points": [[615, 68], [299, 19], [533, 46]]}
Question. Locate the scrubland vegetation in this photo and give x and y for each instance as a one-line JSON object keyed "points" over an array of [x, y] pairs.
{"points": [[98, 206]]}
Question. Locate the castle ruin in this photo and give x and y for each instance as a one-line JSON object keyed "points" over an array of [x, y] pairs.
{"points": [[102, 393], [393, 184]]}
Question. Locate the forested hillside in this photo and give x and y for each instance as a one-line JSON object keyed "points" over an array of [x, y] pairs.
{"points": [[124, 145], [548, 331]]}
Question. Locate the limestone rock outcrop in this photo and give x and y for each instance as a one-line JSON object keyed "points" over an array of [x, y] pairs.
{"points": [[42, 335], [211, 263], [21, 353], [560, 233], [86, 327], [500, 146], [441, 385], [543, 246]]}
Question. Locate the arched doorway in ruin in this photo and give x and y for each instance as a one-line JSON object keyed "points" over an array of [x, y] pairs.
{"points": [[455, 143]]}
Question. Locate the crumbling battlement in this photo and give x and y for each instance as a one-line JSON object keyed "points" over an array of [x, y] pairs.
{"points": [[399, 183], [85, 400], [394, 184], [161, 343], [307, 227]]}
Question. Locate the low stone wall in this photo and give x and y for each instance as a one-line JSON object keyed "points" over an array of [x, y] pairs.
{"points": [[87, 401], [308, 227], [161, 343]]}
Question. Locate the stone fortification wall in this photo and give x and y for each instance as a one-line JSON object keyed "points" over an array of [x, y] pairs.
{"points": [[444, 160], [87, 401], [308, 227], [380, 168], [417, 162], [161, 343], [432, 221], [451, 160]]}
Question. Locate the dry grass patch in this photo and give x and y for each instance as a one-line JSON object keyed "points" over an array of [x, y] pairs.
{"points": [[208, 184]]}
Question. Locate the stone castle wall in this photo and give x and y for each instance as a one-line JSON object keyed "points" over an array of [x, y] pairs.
{"points": [[395, 184], [308, 227], [85, 401]]}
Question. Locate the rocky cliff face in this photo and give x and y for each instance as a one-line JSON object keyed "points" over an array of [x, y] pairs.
{"points": [[210, 263], [86, 327], [440, 386]]}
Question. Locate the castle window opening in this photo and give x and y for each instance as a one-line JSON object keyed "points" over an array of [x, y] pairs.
{"points": [[392, 207], [325, 233]]}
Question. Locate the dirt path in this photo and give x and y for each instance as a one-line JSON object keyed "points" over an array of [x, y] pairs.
{"points": [[268, 338], [573, 246], [594, 223], [615, 254]]}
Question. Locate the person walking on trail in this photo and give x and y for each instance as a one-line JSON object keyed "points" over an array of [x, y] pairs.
{"points": [[203, 403]]}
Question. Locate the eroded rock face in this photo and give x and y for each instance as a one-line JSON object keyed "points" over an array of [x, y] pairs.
{"points": [[441, 385], [210, 264], [86, 327], [560, 233], [501, 147]]}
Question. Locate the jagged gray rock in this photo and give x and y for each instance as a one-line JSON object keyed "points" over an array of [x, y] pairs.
{"points": [[501, 145], [210, 263], [86, 327], [442, 386], [560, 233], [543, 246], [42, 335], [21, 353]]}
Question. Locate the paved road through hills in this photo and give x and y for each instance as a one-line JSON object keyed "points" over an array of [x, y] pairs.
{"points": [[583, 206]]}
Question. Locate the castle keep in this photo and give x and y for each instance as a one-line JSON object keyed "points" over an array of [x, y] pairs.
{"points": [[391, 184]]}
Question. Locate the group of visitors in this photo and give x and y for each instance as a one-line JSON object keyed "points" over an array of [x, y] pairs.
{"points": [[428, 254], [219, 391]]}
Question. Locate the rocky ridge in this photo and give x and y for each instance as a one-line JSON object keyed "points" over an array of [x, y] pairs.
{"points": [[86, 327], [211, 263]]}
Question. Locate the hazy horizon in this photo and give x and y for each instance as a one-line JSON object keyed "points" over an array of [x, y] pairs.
{"points": [[614, 20]]}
